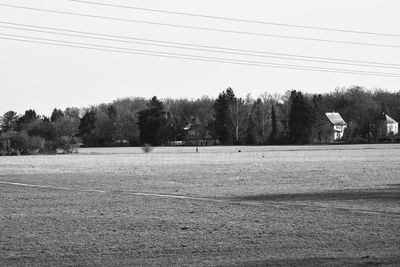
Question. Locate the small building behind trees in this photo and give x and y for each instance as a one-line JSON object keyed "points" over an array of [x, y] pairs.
{"points": [[197, 136], [192, 134]]}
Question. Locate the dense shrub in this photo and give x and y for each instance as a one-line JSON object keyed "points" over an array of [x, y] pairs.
{"points": [[15, 143], [20, 143], [68, 144]]}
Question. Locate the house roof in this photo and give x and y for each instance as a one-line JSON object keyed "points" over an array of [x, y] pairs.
{"points": [[389, 119], [191, 126], [188, 126], [335, 118]]}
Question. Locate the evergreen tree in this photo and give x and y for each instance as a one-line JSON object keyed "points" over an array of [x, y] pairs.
{"points": [[86, 128], [230, 117], [56, 114], [150, 122], [29, 116], [319, 120], [222, 124], [274, 125], [300, 119], [8, 122]]}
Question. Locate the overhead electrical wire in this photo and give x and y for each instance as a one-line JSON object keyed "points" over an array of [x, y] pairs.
{"points": [[203, 28], [201, 46], [186, 56], [237, 19], [253, 53]]}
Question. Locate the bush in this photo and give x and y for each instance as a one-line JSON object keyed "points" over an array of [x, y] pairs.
{"points": [[14, 143], [68, 144], [36, 144], [50, 147], [20, 143]]}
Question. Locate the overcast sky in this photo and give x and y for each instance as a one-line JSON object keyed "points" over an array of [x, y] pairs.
{"points": [[42, 76]]}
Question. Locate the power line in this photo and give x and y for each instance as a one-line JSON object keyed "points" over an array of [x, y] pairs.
{"points": [[380, 65], [201, 46], [204, 28], [191, 57], [238, 20]]}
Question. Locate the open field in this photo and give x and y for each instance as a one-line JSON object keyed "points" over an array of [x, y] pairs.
{"points": [[292, 205]]}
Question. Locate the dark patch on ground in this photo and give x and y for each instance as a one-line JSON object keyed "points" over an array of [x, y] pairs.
{"points": [[391, 192], [327, 261], [393, 186]]}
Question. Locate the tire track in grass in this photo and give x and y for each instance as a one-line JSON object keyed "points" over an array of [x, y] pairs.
{"points": [[110, 192], [273, 204], [52, 187], [216, 200]]}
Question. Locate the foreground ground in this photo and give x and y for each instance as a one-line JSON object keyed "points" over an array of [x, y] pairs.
{"points": [[306, 205]]}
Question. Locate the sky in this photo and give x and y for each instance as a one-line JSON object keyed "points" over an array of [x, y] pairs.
{"points": [[42, 76]]}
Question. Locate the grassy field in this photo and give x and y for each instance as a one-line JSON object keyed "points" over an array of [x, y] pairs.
{"points": [[292, 205]]}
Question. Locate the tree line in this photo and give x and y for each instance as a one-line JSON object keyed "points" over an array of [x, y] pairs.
{"points": [[289, 118]]}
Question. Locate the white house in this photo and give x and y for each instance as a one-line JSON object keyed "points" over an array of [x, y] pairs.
{"points": [[390, 126], [338, 124]]}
